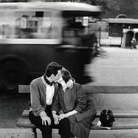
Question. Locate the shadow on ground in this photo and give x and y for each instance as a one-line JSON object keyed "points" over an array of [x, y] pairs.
{"points": [[11, 106]]}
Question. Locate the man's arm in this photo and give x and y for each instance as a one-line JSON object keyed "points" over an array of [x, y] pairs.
{"points": [[35, 99]]}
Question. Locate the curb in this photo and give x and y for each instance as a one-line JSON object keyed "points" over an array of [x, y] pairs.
{"points": [[26, 133]]}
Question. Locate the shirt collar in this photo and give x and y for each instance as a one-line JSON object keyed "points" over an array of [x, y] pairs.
{"points": [[47, 82]]}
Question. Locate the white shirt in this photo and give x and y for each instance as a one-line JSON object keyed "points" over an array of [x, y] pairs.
{"points": [[49, 92]]}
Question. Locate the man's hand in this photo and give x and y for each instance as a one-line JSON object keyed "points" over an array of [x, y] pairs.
{"points": [[56, 119], [46, 120]]}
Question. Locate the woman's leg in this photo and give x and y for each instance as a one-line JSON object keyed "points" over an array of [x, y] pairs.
{"points": [[82, 128]]}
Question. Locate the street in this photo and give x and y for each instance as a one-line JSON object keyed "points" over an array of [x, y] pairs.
{"points": [[119, 67]]}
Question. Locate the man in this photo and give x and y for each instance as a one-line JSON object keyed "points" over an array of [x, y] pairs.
{"points": [[42, 93], [133, 43]]}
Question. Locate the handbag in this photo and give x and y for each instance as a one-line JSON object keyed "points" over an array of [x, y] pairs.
{"points": [[106, 118]]}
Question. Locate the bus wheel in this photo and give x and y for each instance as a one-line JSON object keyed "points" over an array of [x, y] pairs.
{"points": [[12, 73]]}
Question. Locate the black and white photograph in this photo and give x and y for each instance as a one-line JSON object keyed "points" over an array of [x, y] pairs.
{"points": [[68, 69]]}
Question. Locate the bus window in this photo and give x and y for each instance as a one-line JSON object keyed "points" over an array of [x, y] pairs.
{"points": [[6, 29], [30, 24], [49, 28]]}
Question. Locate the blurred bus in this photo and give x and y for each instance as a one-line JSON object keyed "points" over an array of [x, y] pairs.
{"points": [[34, 34]]}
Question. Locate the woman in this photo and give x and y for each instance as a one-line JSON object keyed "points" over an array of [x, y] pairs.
{"points": [[76, 107]]}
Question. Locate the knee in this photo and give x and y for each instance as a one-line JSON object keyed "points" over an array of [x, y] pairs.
{"points": [[93, 117], [64, 121], [64, 126], [46, 127]]}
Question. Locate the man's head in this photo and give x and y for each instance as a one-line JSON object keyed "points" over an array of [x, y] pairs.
{"points": [[53, 71]]}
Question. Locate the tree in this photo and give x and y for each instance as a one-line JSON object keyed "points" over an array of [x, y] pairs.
{"points": [[102, 3]]}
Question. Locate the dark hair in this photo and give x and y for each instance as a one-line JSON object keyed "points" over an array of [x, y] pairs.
{"points": [[52, 68], [66, 75]]}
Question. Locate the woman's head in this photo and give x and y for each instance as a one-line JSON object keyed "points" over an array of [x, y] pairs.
{"points": [[66, 80], [66, 75]]}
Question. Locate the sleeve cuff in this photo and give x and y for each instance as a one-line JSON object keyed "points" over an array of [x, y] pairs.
{"points": [[42, 114]]}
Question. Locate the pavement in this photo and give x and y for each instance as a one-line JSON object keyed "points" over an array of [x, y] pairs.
{"points": [[133, 133], [15, 133], [22, 133], [117, 67], [11, 108], [26, 133]]}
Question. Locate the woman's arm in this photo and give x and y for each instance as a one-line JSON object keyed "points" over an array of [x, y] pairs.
{"points": [[80, 102], [71, 113], [61, 116], [81, 99]]}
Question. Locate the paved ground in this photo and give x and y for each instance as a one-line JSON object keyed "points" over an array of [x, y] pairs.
{"points": [[118, 67], [11, 107], [26, 133]]}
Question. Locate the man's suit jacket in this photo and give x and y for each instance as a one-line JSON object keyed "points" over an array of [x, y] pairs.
{"points": [[38, 95]]}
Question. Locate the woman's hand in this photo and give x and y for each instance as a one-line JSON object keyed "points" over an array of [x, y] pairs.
{"points": [[62, 116]]}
